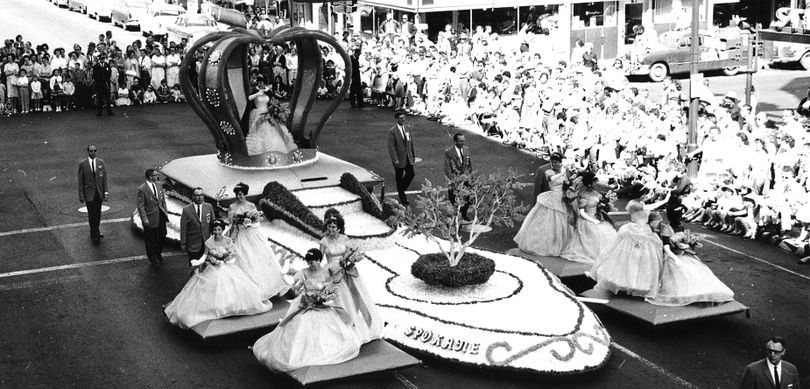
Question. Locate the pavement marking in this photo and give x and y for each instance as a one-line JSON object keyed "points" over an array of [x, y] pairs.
{"points": [[59, 227], [408, 384], [758, 259], [655, 367], [79, 265]]}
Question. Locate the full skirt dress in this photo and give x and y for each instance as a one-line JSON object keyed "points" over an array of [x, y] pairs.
{"points": [[259, 262], [689, 281], [546, 230], [354, 298], [632, 263], [588, 241]]}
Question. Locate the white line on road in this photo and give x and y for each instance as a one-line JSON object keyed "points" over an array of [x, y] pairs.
{"points": [[758, 259], [78, 265], [655, 367], [59, 227], [408, 384]]}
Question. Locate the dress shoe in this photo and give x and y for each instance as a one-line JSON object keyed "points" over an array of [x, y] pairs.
{"points": [[804, 261], [100, 235]]}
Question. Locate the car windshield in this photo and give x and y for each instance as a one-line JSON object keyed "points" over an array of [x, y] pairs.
{"points": [[202, 23], [169, 12]]}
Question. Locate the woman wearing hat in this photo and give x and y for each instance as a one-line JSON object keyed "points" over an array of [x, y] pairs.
{"points": [[313, 333], [256, 255], [547, 230], [217, 288]]}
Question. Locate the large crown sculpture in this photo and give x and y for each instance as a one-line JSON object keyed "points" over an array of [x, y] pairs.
{"points": [[220, 95]]}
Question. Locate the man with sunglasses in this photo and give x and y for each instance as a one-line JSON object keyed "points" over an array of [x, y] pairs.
{"points": [[771, 372]]}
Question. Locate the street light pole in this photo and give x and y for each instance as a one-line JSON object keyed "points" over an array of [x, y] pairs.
{"points": [[694, 102]]}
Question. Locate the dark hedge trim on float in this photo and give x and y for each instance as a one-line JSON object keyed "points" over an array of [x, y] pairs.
{"points": [[350, 183], [380, 235], [280, 201], [567, 293], [435, 269], [550, 373], [347, 202]]}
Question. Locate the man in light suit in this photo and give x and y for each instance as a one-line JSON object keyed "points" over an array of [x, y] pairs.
{"points": [[456, 162], [93, 189], [771, 372], [152, 211], [194, 225], [400, 148]]}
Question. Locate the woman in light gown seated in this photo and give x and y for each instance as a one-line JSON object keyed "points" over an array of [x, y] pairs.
{"points": [[595, 230], [266, 132], [314, 332], [684, 279], [632, 263], [547, 228], [352, 294], [256, 255], [217, 288]]}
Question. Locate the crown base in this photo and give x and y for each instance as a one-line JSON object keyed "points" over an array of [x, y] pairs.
{"points": [[269, 160]]}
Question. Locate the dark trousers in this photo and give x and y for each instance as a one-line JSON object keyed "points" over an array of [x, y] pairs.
{"points": [[356, 93], [94, 214], [451, 195], [153, 239], [102, 99], [403, 177], [192, 255]]}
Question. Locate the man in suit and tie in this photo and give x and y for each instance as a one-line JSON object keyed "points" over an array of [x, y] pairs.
{"points": [[400, 148], [152, 211], [356, 90], [456, 162], [93, 189], [771, 372], [194, 225], [102, 72]]}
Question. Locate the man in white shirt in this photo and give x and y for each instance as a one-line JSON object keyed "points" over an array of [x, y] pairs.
{"points": [[93, 189], [771, 372], [151, 204]]}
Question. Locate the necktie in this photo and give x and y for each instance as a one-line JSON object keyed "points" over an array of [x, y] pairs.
{"points": [[199, 213], [461, 155], [776, 377], [93, 166], [154, 189], [402, 130]]}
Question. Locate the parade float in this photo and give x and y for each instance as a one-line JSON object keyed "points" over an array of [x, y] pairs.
{"points": [[521, 318]]}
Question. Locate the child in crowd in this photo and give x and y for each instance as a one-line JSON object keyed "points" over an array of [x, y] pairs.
{"points": [[23, 90], [163, 93], [149, 97], [69, 89], [123, 96], [36, 94], [177, 94], [57, 95]]}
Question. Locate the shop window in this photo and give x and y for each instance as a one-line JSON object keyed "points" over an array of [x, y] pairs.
{"points": [[596, 14]]}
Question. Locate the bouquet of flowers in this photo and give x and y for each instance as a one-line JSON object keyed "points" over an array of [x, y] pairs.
{"points": [[687, 241], [246, 219], [318, 298], [606, 203], [279, 109]]}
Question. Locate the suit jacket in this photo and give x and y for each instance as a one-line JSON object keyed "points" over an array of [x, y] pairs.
{"points": [[355, 69], [453, 165], [89, 183], [400, 149], [540, 180], [193, 231], [149, 206], [757, 376]]}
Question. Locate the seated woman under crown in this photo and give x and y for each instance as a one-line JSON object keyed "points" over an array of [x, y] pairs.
{"points": [[315, 332], [266, 130]]}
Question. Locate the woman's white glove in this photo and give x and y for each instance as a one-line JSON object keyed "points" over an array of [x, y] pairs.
{"points": [[198, 262]]}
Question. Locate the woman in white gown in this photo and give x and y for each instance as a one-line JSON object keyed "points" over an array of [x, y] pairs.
{"points": [[594, 232], [312, 334], [217, 288], [158, 72], [684, 278], [632, 263], [266, 133], [352, 294], [256, 255], [547, 230]]}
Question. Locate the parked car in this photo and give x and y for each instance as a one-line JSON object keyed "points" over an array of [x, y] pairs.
{"points": [[672, 55], [61, 3], [77, 5], [98, 9], [159, 15], [129, 13], [191, 27]]}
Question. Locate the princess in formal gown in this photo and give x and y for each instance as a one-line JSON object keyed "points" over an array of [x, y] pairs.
{"points": [[256, 255], [594, 230], [632, 263], [217, 288], [266, 133], [352, 294], [312, 334], [546, 231], [684, 279]]}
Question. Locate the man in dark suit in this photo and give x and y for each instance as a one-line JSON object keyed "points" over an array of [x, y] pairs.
{"points": [[771, 372], [194, 225], [151, 205], [101, 83], [356, 91], [540, 179], [400, 148], [93, 189], [456, 162]]}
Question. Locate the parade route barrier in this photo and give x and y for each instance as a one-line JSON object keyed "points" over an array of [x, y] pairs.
{"points": [[558, 266], [658, 315], [235, 324], [375, 356]]}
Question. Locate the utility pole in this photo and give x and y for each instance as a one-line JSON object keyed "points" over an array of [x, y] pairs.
{"points": [[694, 102]]}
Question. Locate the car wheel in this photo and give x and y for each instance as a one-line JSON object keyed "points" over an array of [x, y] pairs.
{"points": [[731, 71], [805, 61], [658, 71]]}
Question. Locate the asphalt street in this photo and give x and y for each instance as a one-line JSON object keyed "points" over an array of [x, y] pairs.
{"points": [[77, 315]]}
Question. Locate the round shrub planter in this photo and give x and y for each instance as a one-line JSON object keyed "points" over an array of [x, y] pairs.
{"points": [[434, 269]]}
